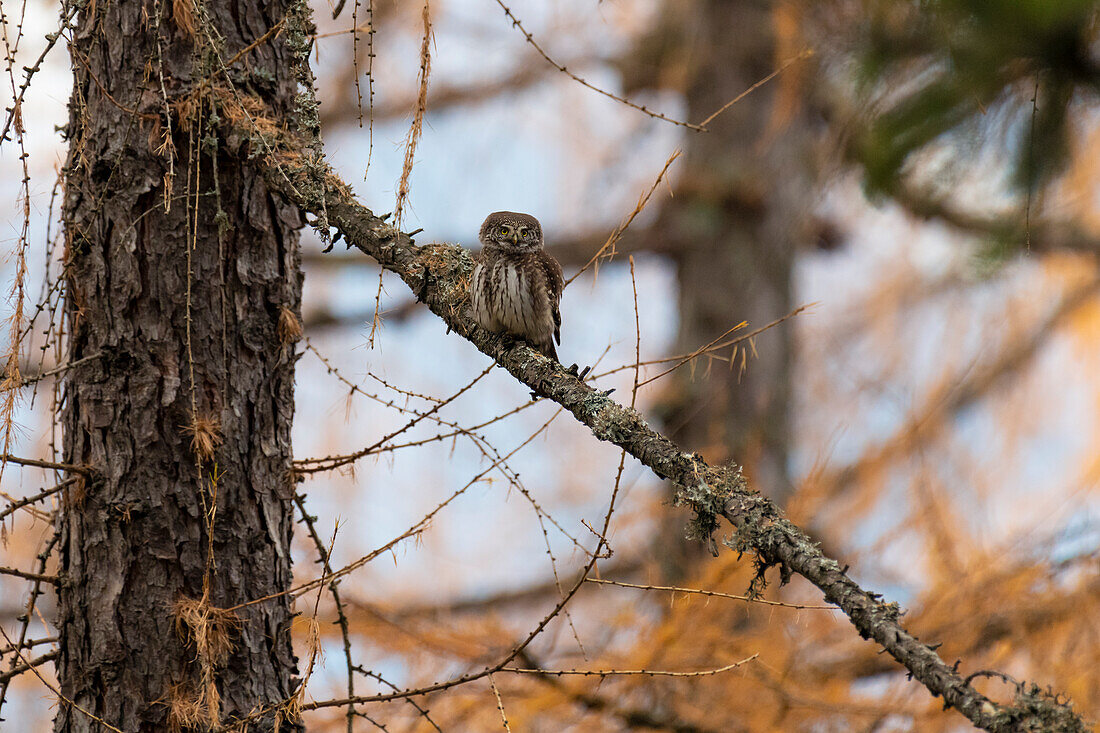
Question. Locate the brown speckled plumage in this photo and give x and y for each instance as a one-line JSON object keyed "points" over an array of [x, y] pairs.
{"points": [[516, 285]]}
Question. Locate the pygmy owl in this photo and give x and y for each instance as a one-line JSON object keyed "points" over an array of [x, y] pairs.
{"points": [[516, 285]]}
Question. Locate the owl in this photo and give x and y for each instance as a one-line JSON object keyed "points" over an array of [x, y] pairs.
{"points": [[516, 285]]}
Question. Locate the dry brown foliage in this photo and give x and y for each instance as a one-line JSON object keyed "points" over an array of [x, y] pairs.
{"points": [[289, 328], [205, 432], [210, 630]]}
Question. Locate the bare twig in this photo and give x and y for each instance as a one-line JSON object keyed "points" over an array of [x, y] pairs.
{"points": [[29, 576], [719, 344], [649, 717], [30, 644], [626, 672], [53, 688], [563, 69], [500, 704], [28, 612], [58, 370], [272, 32], [82, 470], [312, 465], [15, 505], [323, 556], [26, 666], [709, 594], [616, 235], [804, 55]]}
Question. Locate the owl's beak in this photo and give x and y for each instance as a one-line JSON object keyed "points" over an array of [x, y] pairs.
{"points": [[514, 238]]}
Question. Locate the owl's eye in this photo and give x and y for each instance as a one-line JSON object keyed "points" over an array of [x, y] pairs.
{"points": [[524, 231], [503, 231]]}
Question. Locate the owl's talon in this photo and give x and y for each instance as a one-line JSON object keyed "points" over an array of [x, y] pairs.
{"points": [[578, 372]]}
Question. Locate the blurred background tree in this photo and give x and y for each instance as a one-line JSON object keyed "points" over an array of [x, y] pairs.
{"points": [[927, 178]]}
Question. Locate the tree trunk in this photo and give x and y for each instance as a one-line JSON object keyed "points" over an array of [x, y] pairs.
{"points": [[740, 205], [183, 276]]}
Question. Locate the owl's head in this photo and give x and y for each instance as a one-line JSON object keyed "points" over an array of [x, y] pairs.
{"points": [[511, 231]]}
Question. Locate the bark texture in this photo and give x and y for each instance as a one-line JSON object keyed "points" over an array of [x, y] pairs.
{"points": [[183, 272]]}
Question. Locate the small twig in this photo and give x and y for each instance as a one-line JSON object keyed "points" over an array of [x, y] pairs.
{"points": [[500, 704], [1031, 172], [561, 67], [624, 672], [30, 576], [637, 336], [76, 54], [30, 644], [28, 613], [82, 470], [45, 493], [356, 29], [701, 127], [710, 594], [705, 348], [273, 31], [645, 716], [1008, 679], [716, 345], [328, 464], [423, 711], [34, 668], [58, 370], [618, 233], [324, 556], [804, 55], [27, 666]]}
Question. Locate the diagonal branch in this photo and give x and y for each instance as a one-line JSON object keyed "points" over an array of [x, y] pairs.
{"points": [[26, 666], [439, 274]]}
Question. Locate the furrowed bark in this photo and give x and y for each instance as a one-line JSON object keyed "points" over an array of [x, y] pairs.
{"points": [[439, 274], [183, 273]]}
